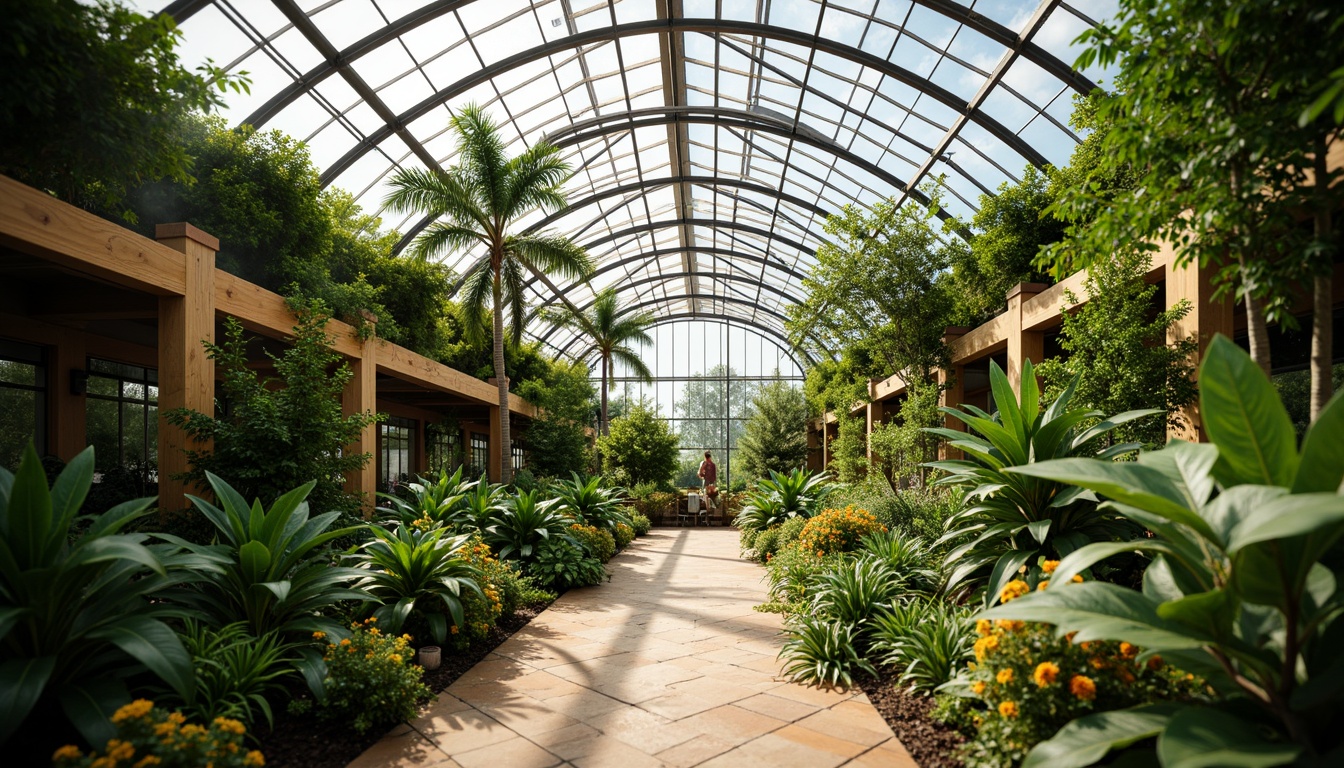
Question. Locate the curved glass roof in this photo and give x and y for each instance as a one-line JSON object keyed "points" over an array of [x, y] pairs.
{"points": [[710, 138]]}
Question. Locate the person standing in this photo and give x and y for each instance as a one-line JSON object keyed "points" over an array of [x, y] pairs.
{"points": [[709, 480]]}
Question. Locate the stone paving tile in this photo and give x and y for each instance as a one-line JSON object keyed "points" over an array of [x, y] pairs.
{"points": [[667, 665]]}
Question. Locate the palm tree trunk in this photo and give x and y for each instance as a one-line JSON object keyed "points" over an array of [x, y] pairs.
{"points": [[1322, 315], [505, 443], [604, 395]]}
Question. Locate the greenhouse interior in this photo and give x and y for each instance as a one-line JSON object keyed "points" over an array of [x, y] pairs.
{"points": [[533, 383]]}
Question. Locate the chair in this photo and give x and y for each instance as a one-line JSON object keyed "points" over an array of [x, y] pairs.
{"points": [[692, 509]]}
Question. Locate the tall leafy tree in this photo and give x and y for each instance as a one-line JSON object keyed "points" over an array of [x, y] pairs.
{"points": [[610, 335], [476, 204], [776, 434], [1207, 114], [92, 100], [557, 438], [640, 448]]}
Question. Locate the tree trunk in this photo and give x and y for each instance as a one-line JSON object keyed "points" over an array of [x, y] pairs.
{"points": [[603, 425], [1256, 330], [505, 443], [1322, 319]]}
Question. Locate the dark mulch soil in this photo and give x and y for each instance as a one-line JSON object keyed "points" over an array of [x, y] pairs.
{"points": [[306, 742], [932, 744]]}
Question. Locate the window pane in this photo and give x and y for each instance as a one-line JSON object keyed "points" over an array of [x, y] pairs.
{"points": [[20, 413]]}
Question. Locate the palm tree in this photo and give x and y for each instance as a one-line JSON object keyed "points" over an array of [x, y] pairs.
{"points": [[475, 204], [610, 336]]}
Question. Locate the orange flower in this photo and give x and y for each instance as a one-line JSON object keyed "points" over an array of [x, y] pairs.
{"points": [[1155, 663], [1008, 709], [984, 645], [1010, 625], [1005, 676], [1049, 566], [1128, 651], [1045, 673], [978, 687], [1015, 589], [1042, 585], [1083, 687], [983, 627]]}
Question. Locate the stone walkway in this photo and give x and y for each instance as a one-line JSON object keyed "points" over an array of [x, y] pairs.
{"points": [[667, 665]]}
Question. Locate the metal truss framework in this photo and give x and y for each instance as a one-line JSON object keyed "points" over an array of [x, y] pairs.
{"points": [[710, 138]]}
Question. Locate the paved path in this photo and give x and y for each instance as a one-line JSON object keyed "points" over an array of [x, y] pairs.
{"points": [[666, 665]]}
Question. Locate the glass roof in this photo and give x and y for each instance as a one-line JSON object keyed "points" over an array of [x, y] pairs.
{"points": [[710, 138]]}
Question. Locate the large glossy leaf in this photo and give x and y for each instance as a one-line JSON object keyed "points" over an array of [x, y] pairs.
{"points": [[1208, 613], [69, 491], [156, 646], [1005, 570], [29, 512], [1244, 418], [1208, 738], [1099, 611], [1127, 482], [90, 704], [254, 560], [23, 681], [1088, 739], [114, 548], [1080, 560], [1318, 515], [1322, 466]]}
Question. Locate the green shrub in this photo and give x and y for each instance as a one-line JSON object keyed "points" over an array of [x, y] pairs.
{"points": [[927, 640], [370, 680], [796, 494], [437, 501], [522, 523], [909, 558], [79, 618], [561, 564], [639, 448], [822, 651], [587, 501], [234, 672], [280, 432], [599, 543], [766, 542], [624, 535], [641, 524], [271, 568], [410, 571], [789, 573], [145, 731], [853, 591], [1013, 519], [1242, 588], [837, 530]]}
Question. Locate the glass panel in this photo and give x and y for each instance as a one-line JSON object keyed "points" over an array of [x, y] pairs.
{"points": [[20, 415]]}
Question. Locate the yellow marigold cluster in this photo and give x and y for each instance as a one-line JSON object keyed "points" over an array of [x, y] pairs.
{"points": [[1045, 674], [1083, 687], [837, 530], [150, 736], [1013, 590], [1008, 709]]}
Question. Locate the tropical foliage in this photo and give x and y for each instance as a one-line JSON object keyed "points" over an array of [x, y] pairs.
{"points": [[775, 438], [1242, 588], [640, 448], [1014, 519], [409, 567], [476, 204]]}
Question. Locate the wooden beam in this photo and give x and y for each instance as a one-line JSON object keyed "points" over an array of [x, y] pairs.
{"points": [[1206, 318], [36, 223], [265, 312], [360, 396], [186, 374]]}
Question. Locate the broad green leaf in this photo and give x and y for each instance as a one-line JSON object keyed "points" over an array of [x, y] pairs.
{"points": [[114, 548], [1099, 611], [1207, 738], [314, 671], [1320, 515], [1188, 465], [1081, 559], [1209, 613], [153, 644], [1005, 570], [70, 489], [29, 512], [1039, 529], [1088, 739], [1244, 418], [23, 681], [1127, 482], [254, 560], [90, 704], [1322, 466], [116, 518]]}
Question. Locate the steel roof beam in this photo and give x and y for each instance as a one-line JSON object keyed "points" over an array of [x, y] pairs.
{"points": [[773, 335], [685, 297], [876, 63]]}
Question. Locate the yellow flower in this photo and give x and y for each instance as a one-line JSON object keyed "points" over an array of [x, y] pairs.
{"points": [[1008, 709], [1128, 651], [983, 626], [1077, 579], [1045, 673], [396, 657], [147, 761], [1042, 585], [1005, 676], [1010, 625], [1049, 566], [319, 635], [978, 687], [984, 645], [133, 711], [1083, 687], [68, 752], [119, 750], [177, 718], [346, 641], [1097, 662], [230, 726], [254, 758], [1155, 663], [1015, 589]]}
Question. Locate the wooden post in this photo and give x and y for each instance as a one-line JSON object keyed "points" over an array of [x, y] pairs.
{"points": [[361, 396], [952, 386], [67, 428], [1023, 344], [814, 457], [1207, 317], [186, 374]]}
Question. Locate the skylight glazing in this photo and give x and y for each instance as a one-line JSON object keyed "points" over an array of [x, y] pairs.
{"points": [[710, 138]]}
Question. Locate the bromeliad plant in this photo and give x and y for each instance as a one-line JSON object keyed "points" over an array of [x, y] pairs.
{"points": [[522, 523], [79, 618], [441, 502], [796, 494], [589, 502], [1011, 519], [1244, 586], [412, 568], [234, 672], [271, 568]]}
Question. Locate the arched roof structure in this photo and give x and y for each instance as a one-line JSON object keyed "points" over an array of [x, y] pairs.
{"points": [[710, 138]]}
